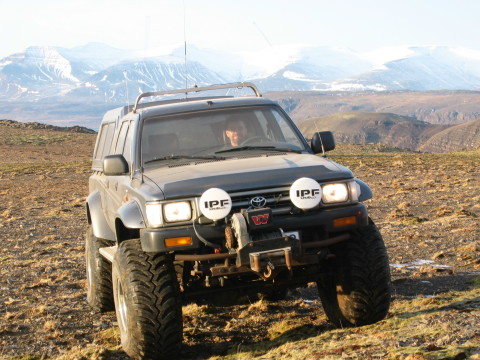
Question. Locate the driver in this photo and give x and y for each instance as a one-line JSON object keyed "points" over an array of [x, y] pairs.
{"points": [[236, 131]]}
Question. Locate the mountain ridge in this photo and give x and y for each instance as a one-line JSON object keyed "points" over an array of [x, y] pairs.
{"points": [[62, 71]]}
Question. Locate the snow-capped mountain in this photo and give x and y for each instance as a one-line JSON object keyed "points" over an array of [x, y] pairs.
{"points": [[420, 69], [38, 72], [101, 73], [310, 68], [128, 79], [96, 55]]}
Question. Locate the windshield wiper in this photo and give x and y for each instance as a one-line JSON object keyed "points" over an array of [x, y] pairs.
{"points": [[175, 157], [272, 148]]}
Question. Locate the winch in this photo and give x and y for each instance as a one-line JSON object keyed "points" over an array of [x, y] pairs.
{"points": [[252, 235]]}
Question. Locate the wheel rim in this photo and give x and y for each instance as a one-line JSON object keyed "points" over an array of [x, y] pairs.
{"points": [[89, 276], [121, 308]]}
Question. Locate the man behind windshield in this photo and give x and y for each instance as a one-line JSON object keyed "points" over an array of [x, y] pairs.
{"points": [[236, 131]]}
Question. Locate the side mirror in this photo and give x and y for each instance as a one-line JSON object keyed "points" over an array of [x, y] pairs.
{"points": [[115, 165], [322, 142]]}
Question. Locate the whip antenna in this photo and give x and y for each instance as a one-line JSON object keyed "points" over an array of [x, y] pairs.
{"points": [[126, 85], [185, 44]]}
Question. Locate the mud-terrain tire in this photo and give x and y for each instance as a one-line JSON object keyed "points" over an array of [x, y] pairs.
{"points": [[358, 291], [99, 274], [147, 302]]}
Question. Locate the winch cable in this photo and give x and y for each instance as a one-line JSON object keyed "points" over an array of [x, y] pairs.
{"points": [[201, 238]]}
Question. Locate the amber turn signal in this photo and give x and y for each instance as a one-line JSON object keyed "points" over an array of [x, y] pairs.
{"points": [[351, 220], [178, 241]]}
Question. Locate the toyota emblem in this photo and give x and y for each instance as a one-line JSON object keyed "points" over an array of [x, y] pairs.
{"points": [[258, 202]]}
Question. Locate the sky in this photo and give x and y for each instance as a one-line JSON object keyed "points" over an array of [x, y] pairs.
{"points": [[237, 25]]}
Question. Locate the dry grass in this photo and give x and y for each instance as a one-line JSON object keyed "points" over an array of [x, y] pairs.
{"points": [[419, 327]]}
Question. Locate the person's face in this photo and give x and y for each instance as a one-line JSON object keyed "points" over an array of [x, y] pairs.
{"points": [[236, 132]]}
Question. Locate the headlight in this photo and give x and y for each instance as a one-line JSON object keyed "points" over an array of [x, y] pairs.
{"points": [[177, 211], [154, 214], [334, 193]]}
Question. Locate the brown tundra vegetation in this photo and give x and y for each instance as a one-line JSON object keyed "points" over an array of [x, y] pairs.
{"points": [[426, 205]]}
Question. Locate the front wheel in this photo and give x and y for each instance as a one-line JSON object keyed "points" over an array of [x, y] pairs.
{"points": [[147, 302], [358, 290]]}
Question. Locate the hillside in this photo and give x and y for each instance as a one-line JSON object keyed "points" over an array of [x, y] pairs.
{"points": [[426, 205], [436, 107], [360, 128], [463, 136], [38, 126], [35, 143]]}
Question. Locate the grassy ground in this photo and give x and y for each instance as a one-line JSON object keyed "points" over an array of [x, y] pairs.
{"points": [[426, 205]]}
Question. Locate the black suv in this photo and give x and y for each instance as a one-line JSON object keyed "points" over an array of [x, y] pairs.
{"points": [[217, 198]]}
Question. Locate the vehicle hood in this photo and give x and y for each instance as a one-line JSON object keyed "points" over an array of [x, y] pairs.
{"points": [[180, 180]]}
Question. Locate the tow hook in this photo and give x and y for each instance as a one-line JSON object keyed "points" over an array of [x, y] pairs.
{"points": [[269, 263]]}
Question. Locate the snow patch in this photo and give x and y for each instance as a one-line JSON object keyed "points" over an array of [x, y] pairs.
{"points": [[419, 263], [355, 87]]}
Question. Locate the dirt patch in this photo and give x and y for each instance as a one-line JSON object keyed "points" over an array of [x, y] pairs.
{"points": [[427, 207]]}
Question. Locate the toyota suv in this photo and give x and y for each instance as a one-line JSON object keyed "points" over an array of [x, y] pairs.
{"points": [[218, 198]]}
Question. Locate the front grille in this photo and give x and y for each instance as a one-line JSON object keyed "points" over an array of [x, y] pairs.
{"points": [[277, 199]]}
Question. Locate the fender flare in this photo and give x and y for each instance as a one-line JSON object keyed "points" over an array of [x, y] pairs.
{"points": [[131, 215], [97, 219], [365, 191]]}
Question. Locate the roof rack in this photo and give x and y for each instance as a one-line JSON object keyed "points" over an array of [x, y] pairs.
{"points": [[197, 89]]}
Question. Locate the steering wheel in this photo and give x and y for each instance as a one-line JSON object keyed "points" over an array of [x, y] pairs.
{"points": [[254, 139]]}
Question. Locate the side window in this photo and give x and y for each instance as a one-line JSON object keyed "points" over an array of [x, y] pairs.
{"points": [[104, 144], [264, 124], [127, 146], [101, 143], [122, 137], [108, 140], [287, 130], [269, 125]]}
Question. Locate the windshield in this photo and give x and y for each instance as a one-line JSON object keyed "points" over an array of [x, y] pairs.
{"points": [[218, 134]]}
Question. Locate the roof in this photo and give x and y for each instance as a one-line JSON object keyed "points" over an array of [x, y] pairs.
{"points": [[203, 104], [188, 104]]}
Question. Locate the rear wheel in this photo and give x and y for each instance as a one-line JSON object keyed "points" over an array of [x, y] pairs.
{"points": [[99, 274], [147, 302], [358, 290]]}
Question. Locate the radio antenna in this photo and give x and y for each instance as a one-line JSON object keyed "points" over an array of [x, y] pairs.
{"points": [[185, 45], [320, 138], [126, 86], [263, 34]]}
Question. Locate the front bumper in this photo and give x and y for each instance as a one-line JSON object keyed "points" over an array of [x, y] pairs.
{"points": [[153, 240]]}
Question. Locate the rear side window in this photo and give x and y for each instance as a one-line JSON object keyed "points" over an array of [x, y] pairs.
{"points": [[104, 145], [101, 142], [105, 142], [108, 140]]}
